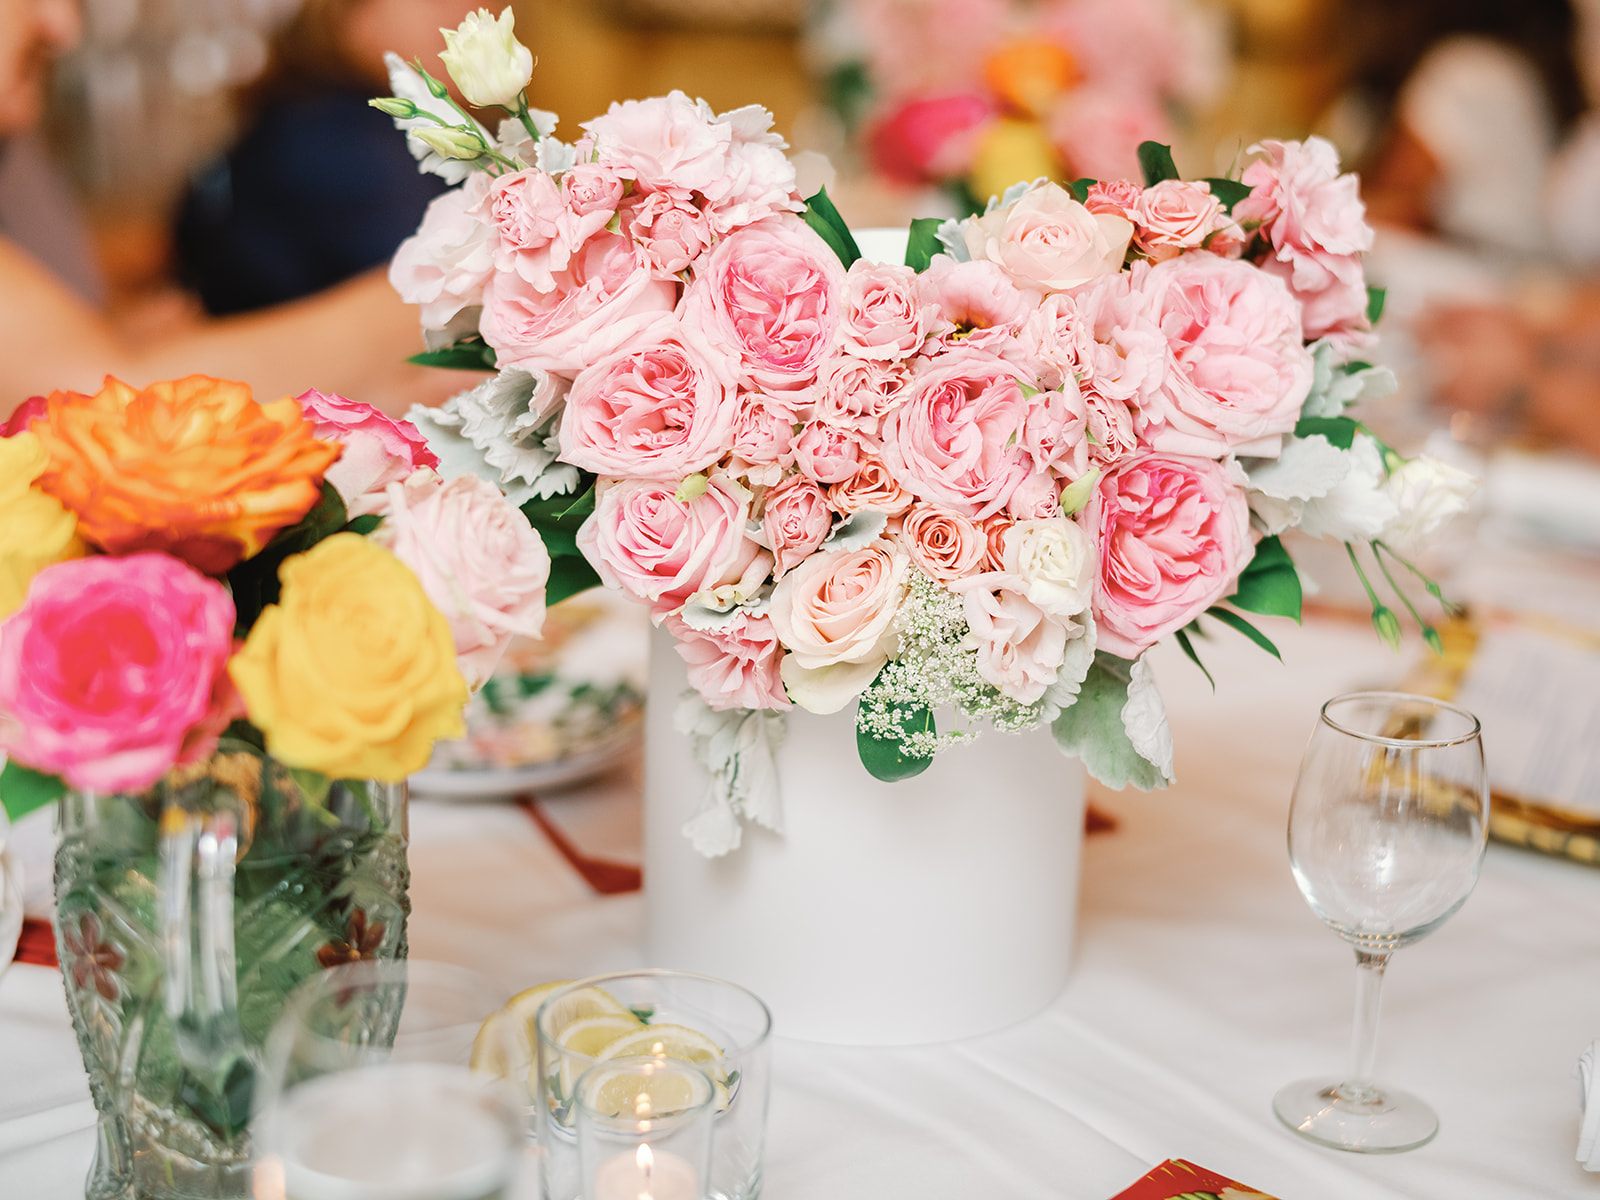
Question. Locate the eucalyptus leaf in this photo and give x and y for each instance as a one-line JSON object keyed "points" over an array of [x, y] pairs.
{"points": [[1094, 731], [22, 789], [923, 243], [1269, 584], [884, 758], [1155, 160], [824, 218]]}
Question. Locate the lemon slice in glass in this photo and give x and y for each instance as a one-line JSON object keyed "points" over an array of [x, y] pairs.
{"points": [[591, 1035], [509, 1034], [617, 1091], [580, 1004], [665, 1041]]}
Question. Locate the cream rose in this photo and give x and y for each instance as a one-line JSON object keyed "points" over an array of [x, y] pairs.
{"points": [[1057, 563], [1047, 240]]}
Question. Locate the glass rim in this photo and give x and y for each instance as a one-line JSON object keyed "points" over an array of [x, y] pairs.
{"points": [[756, 1041], [1474, 730]]}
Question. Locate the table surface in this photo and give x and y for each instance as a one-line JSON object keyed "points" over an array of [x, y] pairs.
{"points": [[1202, 983]]}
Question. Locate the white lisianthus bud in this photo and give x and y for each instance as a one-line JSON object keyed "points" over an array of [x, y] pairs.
{"points": [[487, 62], [449, 141], [1427, 492]]}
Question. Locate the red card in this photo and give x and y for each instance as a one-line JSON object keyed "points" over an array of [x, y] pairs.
{"points": [[1176, 1179]]}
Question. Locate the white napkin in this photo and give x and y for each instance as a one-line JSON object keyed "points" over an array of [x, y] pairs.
{"points": [[10, 895], [1589, 1103]]}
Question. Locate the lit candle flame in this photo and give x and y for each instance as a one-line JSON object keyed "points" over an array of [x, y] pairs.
{"points": [[645, 1159]]}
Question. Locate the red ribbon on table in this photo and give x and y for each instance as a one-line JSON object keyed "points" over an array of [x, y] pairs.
{"points": [[37, 945], [605, 876]]}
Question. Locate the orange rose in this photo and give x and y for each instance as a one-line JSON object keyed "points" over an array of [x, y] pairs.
{"points": [[193, 467], [1029, 75]]}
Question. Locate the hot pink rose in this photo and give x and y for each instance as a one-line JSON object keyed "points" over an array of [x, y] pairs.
{"points": [[378, 449], [672, 231], [827, 453], [1174, 533], [955, 442], [645, 540], [661, 408], [872, 486], [445, 265], [666, 141], [945, 544], [1175, 215], [1020, 646], [796, 521], [734, 666], [599, 302], [25, 414], [856, 393], [772, 291], [1241, 370], [115, 669], [479, 561], [976, 303], [1046, 240], [881, 316], [1116, 196], [930, 137]]}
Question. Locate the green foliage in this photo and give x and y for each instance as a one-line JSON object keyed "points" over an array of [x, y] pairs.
{"points": [[923, 243], [1155, 160], [884, 758], [254, 582], [1092, 728], [823, 217], [1234, 621], [1228, 191], [848, 90], [569, 575], [471, 353], [1375, 299], [1340, 431], [967, 201], [22, 790], [558, 519], [1080, 188], [363, 524], [1269, 584], [1187, 647]]}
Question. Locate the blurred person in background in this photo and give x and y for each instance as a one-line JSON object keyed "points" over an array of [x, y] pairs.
{"points": [[352, 338]]}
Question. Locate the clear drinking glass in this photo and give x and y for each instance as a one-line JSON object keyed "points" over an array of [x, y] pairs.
{"points": [[369, 1092], [644, 1129], [1386, 832]]}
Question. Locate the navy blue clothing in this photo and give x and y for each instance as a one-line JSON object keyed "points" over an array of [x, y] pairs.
{"points": [[320, 188]]}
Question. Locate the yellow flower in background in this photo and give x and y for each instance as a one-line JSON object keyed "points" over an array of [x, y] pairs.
{"points": [[1012, 150], [35, 529], [353, 672]]}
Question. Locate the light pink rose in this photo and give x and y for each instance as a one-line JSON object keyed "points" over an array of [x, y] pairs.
{"points": [[588, 188], [479, 561], [444, 265], [1116, 196], [643, 539], [1097, 130], [1175, 215], [795, 521], [839, 606], [1046, 240], [535, 233], [944, 544], [872, 486], [115, 669], [599, 302], [828, 453], [955, 442], [1241, 371], [1120, 350], [757, 181], [1020, 646], [1173, 533], [1112, 429], [666, 141], [1053, 433], [661, 408], [772, 291], [857, 394], [1036, 497], [672, 231], [735, 666], [378, 449], [975, 303], [881, 316]]}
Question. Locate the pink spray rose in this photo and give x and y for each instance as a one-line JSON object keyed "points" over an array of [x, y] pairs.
{"points": [[828, 453], [661, 408], [1175, 215], [479, 561], [881, 317], [536, 234], [378, 449], [1053, 433], [1173, 533], [1048, 241], [857, 393], [1240, 370], [763, 438], [1116, 196], [944, 544], [955, 442], [588, 188], [1036, 497], [872, 486], [1020, 646], [795, 521], [671, 230], [1120, 350], [659, 548], [1112, 427], [734, 666], [115, 669], [772, 291], [446, 263], [975, 303]]}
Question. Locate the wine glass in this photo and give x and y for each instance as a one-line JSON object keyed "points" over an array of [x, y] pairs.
{"points": [[1386, 832]]}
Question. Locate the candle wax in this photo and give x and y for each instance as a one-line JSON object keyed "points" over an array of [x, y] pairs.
{"points": [[671, 1177]]}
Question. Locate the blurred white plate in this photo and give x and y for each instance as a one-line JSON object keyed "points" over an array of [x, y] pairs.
{"points": [[439, 783]]}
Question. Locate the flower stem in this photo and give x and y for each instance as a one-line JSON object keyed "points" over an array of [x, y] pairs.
{"points": [[1429, 633]]}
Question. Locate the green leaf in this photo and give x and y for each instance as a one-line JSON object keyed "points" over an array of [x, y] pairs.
{"points": [[884, 758], [22, 789], [1375, 299], [254, 582], [1092, 729], [1155, 160], [562, 512], [923, 243], [1341, 431], [1229, 191], [559, 543], [823, 217], [363, 524], [569, 575], [471, 353], [1188, 648], [1080, 188], [1234, 621], [1269, 584]]}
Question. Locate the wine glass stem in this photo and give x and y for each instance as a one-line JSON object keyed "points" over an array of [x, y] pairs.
{"points": [[1358, 1086]]}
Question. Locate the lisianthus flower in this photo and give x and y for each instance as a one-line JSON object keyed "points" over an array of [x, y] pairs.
{"points": [[486, 61], [35, 529]]}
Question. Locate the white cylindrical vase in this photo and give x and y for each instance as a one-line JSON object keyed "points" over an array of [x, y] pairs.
{"points": [[935, 908]]}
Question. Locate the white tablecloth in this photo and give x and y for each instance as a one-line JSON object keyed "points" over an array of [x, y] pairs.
{"points": [[1202, 983]]}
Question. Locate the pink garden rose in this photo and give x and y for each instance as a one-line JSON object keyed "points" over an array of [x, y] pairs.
{"points": [[772, 291], [956, 441], [1175, 215], [445, 265], [828, 453], [378, 449], [671, 230], [1116, 196], [1173, 533], [663, 407], [115, 669], [976, 303], [857, 393], [795, 521], [1020, 646], [1120, 351], [479, 562], [880, 317], [944, 544], [1240, 370], [872, 486], [661, 549], [763, 438], [1046, 240], [734, 666]]}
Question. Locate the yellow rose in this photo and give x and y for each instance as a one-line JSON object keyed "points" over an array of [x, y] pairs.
{"points": [[353, 672], [35, 529]]}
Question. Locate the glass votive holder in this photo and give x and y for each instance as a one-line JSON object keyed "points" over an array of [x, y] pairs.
{"points": [[644, 1129]]}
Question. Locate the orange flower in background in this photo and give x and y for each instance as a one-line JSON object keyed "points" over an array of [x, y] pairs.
{"points": [[1029, 75], [193, 467]]}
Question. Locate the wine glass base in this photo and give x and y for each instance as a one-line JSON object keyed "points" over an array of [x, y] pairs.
{"points": [[1383, 1121]]}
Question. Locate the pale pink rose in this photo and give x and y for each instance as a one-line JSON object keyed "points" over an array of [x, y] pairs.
{"points": [[588, 188], [1120, 350], [1241, 371], [734, 666], [795, 521], [763, 437], [1046, 240], [872, 486], [672, 231], [994, 533], [377, 449], [1020, 646], [479, 561], [1036, 497], [662, 407], [956, 440], [828, 453], [1053, 433], [881, 316], [666, 141], [1173, 533], [444, 265], [535, 234], [1175, 215], [857, 394], [944, 544], [975, 303], [1112, 430], [839, 606], [1116, 196], [661, 549], [600, 301], [1097, 130], [1052, 339], [772, 291], [757, 181]]}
